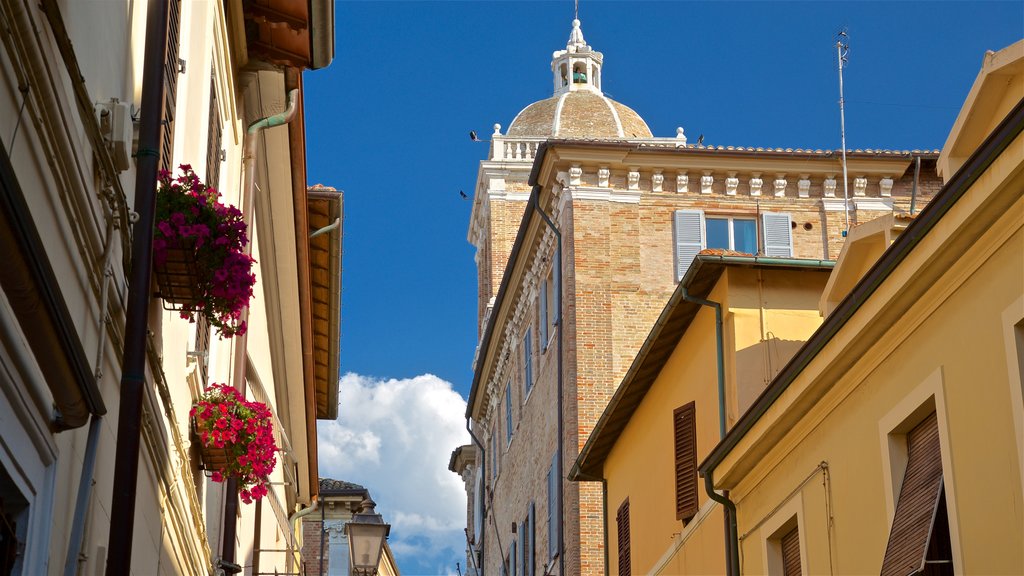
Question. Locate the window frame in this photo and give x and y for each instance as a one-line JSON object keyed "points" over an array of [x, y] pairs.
{"points": [[730, 220]]}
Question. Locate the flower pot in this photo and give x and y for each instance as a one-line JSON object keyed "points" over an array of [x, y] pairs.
{"points": [[212, 458], [177, 275]]}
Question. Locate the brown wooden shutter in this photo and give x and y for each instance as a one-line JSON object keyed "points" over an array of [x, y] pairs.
{"points": [[685, 424], [170, 83], [622, 521], [919, 501], [202, 348], [791, 552], [213, 142]]}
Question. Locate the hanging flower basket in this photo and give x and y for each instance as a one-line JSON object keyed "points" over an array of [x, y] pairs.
{"points": [[199, 256], [236, 439]]}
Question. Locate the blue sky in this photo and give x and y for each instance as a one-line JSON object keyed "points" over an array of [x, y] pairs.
{"points": [[388, 123]]}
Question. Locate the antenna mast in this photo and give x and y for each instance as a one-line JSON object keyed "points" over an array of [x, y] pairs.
{"points": [[576, 9], [842, 49]]}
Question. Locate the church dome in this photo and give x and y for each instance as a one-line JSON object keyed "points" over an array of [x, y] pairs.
{"points": [[578, 109], [578, 114]]}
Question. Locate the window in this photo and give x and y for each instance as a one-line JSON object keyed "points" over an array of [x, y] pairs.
{"points": [[527, 362], [739, 234], [213, 140], [554, 307], [919, 539], [171, 71], [554, 512], [693, 232], [685, 427], [784, 549], [508, 413], [513, 568], [521, 560], [622, 524], [542, 316]]}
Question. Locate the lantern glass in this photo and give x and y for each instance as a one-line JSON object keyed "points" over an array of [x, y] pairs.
{"points": [[365, 544]]}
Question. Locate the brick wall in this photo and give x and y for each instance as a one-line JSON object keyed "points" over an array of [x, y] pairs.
{"points": [[311, 548]]}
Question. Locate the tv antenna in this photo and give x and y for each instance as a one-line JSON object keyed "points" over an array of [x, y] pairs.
{"points": [[842, 50]]}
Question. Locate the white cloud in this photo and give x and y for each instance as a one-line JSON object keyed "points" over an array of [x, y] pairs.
{"points": [[395, 438]]}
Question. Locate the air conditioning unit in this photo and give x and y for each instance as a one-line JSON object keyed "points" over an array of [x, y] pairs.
{"points": [[116, 123]]}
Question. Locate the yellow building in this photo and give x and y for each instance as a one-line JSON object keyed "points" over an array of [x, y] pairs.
{"points": [[71, 76], [893, 442], [689, 383]]}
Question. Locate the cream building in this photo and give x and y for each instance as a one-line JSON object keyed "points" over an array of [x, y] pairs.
{"points": [[892, 443], [70, 88], [584, 223]]}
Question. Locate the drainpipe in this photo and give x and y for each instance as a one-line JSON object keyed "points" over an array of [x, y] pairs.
{"points": [[731, 542], [133, 372], [483, 501], [913, 191], [240, 342], [89, 461], [294, 518], [558, 322]]}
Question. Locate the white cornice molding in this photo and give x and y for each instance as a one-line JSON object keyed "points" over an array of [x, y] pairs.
{"points": [[833, 204], [606, 194], [880, 204]]}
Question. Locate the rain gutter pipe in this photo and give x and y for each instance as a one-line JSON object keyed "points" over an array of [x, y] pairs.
{"points": [[483, 486], [294, 518], [133, 371], [89, 461], [535, 200], [731, 542], [241, 341]]}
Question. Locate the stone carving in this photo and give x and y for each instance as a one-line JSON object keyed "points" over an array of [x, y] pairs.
{"points": [[682, 183], [755, 184], [657, 181], [830, 187], [731, 184], [603, 174], [575, 175], [780, 185], [885, 186], [803, 187], [680, 136], [705, 183], [860, 186], [633, 180], [497, 130]]}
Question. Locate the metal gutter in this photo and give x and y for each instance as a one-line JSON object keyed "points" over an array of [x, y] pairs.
{"points": [[1000, 138]]}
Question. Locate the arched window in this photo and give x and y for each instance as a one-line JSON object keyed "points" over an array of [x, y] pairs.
{"points": [[565, 75], [579, 74]]}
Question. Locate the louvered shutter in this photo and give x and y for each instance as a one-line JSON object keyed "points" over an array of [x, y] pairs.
{"points": [[791, 553], [478, 505], [622, 524], [544, 316], [531, 538], [685, 425], [778, 240], [170, 83], [688, 231], [521, 562], [512, 568], [918, 505], [202, 348], [528, 361], [214, 138]]}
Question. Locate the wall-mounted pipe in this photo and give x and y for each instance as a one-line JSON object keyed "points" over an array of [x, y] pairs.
{"points": [[732, 551]]}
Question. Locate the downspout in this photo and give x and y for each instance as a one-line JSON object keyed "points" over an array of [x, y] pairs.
{"points": [[89, 461], [913, 191], [731, 541], [240, 342], [483, 486], [133, 372], [558, 322], [293, 521], [323, 533], [604, 510]]}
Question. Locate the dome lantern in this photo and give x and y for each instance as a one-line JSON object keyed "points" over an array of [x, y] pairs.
{"points": [[578, 67]]}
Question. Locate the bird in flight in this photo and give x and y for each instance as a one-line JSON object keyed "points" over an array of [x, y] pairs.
{"points": [[472, 136], [463, 194]]}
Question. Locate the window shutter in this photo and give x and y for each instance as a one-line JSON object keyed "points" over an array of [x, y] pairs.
{"points": [[513, 570], [170, 83], [508, 413], [531, 538], [528, 360], [214, 137], [778, 240], [622, 522], [688, 230], [202, 348], [919, 502], [685, 424], [521, 562], [543, 316], [478, 505], [791, 553]]}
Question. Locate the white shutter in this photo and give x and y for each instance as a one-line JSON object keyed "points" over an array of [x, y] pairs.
{"points": [[478, 505], [778, 240], [688, 232]]}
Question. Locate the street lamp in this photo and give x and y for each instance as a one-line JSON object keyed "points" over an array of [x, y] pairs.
{"points": [[366, 533]]}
